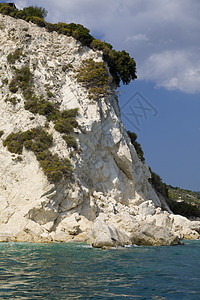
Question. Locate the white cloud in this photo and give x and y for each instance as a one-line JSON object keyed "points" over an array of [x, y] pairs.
{"points": [[140, 37], [162, 36], [173, 70]]}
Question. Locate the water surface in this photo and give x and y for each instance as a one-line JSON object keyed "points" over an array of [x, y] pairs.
{"points": [[71, 271]]}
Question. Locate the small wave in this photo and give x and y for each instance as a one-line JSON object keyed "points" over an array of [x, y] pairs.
{"points": [[84, 246]]}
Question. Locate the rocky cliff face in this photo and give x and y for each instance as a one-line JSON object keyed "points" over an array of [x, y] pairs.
{"points": [[109, 185]]}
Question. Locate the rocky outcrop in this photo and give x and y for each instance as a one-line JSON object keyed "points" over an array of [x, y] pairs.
{"points": [[103, 235], [109, 182]]}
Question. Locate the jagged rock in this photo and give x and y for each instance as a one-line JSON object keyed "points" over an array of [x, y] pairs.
{"points": [[185, 228], [104, 235], [151, 235]]}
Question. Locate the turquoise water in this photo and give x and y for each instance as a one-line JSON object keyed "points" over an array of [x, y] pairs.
{"points": [[71, 271]]}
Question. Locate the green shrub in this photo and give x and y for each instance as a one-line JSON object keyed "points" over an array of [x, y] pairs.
{"points": [[50, 27], [67, 67], [14, 143], [12, 100], [36, 20], [122, 67], [158, 185], [63, 126], [70, 113], [1, 133], [183, 208], [13, 86], [138, 148], [12, 57], [34, 11], [39, 141], [94, 76], [71, 141], [6, 9], [38, 106], [23, 80], [49, 94]]}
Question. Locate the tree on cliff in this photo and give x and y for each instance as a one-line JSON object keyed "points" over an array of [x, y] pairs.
{"points": [[35, 11]]}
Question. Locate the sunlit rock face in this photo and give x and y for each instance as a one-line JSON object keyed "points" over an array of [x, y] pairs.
{"points": [[109, 181]]}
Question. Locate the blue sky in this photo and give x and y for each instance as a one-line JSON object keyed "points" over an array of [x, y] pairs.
{"points": [[163, 37]]}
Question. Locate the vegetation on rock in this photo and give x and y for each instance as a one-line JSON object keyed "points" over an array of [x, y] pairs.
{"points": [[39, 141], [138, 148], [12, 57], [34, 11], [157, 183], [182, 202], [122, 67], [94, 76], [64, 121]]}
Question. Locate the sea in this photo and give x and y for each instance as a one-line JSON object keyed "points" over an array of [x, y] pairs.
{"points": [[77, 271]]}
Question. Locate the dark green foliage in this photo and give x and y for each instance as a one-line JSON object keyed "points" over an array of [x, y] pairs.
{"points": [[71, 141], [13, 86], [12, 100], [158, 185], [67, 67], [6, 9], [40, 106], [78, 31], [138, 148], [1, 133], [5, 81], [53, 166], [15, 141], [190, 201], [49, 94], [94, 76], [12, 57], [65, 121], [63, 126], [70, 113], [183, 208], [122, 67], [186, 208], [36, 20], [22, 80], [39, 141], [176, 193], [34, 11], [50, 27]]}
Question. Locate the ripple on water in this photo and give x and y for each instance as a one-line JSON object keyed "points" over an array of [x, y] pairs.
{"points": [[71, 271]]}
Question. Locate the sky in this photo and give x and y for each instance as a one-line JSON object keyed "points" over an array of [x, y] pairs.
{"points": [[162, 106]]}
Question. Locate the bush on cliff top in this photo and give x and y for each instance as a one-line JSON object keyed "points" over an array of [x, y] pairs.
{"points": [[122, 67]]}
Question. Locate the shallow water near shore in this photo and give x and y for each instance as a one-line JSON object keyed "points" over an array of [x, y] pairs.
{"points": [[75, 271]]}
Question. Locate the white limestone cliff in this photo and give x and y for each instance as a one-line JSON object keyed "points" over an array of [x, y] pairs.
{"points": [[109, 183]]}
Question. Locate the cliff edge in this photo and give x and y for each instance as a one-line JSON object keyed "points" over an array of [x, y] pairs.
{"points": [[98, 188]]}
